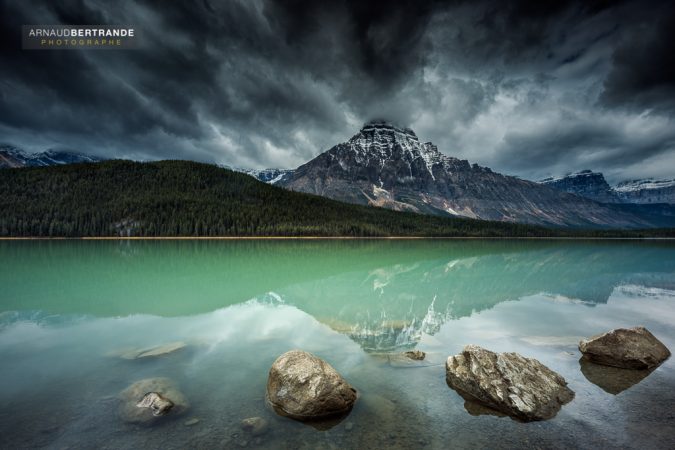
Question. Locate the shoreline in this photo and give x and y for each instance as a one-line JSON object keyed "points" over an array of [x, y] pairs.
{"points": [[327, 238]]}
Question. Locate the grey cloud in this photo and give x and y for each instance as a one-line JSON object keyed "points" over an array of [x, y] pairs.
{"points": [[273, 83]]}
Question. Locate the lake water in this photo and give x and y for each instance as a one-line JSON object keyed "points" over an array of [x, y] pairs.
{"points": [[69, 309]]}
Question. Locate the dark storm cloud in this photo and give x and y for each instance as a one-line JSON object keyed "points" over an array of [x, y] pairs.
{"points": [[643, 73], [531, 88], [383, 40]]}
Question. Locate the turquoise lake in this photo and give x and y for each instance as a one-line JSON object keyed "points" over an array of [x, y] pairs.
{"points": [[69, 311]]}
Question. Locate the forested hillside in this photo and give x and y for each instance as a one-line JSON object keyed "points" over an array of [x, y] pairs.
{"points": [[181, 198]]}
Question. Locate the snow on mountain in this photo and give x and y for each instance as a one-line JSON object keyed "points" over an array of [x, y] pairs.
{"points": [[649, 183], [380, 142], [270, 176], [14, 157], [593, 185], [646, 191]]}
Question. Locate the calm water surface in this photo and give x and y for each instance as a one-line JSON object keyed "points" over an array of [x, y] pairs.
{"points": [[68, 309]]}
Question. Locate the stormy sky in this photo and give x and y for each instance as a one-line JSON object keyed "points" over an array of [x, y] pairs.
{"points": [[528, 88]]}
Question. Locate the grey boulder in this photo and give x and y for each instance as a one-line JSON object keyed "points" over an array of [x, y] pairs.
{"points": [[304, 387], [627, 348], [520, 387]]}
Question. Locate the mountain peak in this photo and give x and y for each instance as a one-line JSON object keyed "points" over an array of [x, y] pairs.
{"points": [[380, 143], [384, 127], [387, 166]]}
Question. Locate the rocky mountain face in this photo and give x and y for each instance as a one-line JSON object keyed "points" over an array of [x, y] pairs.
{"points": [[593, 185], [586, 184], [646, 191], [14, 157], [384, 165]]}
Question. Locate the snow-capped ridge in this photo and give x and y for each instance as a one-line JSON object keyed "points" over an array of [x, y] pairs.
{"points": [[11, 156], [647, 183], [270, 176], [579, 174], [593, 185], [10, 149]]}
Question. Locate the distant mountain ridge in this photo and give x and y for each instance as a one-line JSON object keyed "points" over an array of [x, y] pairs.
{"points": [[586, 184], [593, 185], [646, 191], [11, 157], [385, 165]]}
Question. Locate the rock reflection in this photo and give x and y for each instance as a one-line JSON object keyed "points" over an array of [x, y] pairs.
{"points": [[612, 380], [326, 424], [478, 409]]}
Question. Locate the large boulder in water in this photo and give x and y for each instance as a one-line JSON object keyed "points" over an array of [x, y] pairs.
{"points": [[304, 387], [148, 400], [520, 387], [628, 348]]}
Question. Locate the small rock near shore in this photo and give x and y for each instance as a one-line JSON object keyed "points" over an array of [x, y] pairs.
{"points": [[520, 387], [627, 348], [304, 387], [416, 355], [156, 402], [151, 399]]}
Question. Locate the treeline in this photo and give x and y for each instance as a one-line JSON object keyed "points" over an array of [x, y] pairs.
{"points": [[181, 198]]}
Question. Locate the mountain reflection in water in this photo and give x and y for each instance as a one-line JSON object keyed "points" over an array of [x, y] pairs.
{"points": [[383, 294]]}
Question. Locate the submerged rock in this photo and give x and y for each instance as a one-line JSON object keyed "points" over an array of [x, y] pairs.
{"points": [[552, 341], [628, 348], [520, 387], [304, 387], [414, 358], [152, 352], [380, 408], [150, 399], [255, 425]]}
